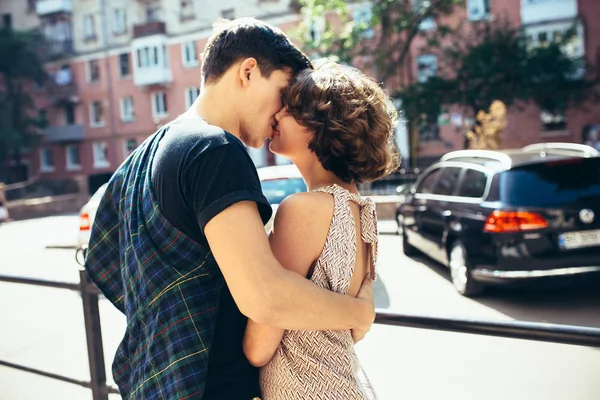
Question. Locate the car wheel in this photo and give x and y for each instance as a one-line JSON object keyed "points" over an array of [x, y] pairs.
{"points": [[407, 248], [460, 272], [399, 221]]}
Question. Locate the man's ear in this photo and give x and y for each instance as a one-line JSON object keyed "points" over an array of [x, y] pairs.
{"points": [[248, 67]]}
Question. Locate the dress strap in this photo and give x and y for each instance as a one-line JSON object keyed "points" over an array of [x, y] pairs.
{"points": [[368, 217]]}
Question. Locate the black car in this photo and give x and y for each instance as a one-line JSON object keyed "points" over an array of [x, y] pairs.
{"points": [[508, 216]]}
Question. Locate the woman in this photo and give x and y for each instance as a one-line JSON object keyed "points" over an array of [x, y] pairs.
{"points": [[337, 127]]}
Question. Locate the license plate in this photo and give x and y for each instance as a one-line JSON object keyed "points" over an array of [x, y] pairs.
{"points": [[575, 240]]}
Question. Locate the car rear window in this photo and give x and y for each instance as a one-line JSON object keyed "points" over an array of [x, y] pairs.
{"points": [[275, 190], [554, 183]]}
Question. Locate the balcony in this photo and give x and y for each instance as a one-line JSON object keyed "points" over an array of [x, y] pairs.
{"points": [[62, 89], [151, 61], [539, 11], [64, 133], [48, 7], [149, 28], [59, 49]]}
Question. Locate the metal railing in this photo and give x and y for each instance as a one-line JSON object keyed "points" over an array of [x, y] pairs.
{"points": [[563, 334]]}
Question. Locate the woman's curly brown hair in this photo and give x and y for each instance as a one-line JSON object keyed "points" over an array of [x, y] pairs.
{"points": [[352, 118]]}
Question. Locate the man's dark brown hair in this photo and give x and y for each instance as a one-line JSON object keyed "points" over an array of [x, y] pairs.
{"points": [[242, 38], [352, 118]]}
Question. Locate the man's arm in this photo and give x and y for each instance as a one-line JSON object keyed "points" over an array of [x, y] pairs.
{"points": [[269, 294]]}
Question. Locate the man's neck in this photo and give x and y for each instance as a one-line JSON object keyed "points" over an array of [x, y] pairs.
{"points": [[214, 105]]}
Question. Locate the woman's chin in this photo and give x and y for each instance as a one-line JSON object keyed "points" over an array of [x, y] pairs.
{"points": [[273, 148]]}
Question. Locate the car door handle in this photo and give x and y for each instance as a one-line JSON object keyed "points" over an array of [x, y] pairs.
{"points": [[446, 214], [422, 208]]}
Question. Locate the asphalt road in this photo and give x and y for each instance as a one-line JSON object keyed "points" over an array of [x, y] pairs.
{"points": [[43, 328]]}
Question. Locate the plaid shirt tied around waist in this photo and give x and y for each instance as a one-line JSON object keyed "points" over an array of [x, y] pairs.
{"points": [[166, 284]]}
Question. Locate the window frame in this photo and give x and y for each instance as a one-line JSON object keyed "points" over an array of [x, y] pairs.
{"points": [[90, 71], [156, 113], [188, 98], [99, 164], [93, 122], [186, 48], [47, 167], [127, 117], [71, 166]]}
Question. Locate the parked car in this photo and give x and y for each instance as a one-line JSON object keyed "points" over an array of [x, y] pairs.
{"points": [[402, 191], [503, 217], [277, 183], [86, 219]]}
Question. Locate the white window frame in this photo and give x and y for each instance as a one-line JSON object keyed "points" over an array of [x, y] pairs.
{"points": [[71, 166], [159, 104], [533, 33], [126, 151], [191, 93], [429, 60], [149, 57], [187, 9], [93, 122], [476, 9], [119, 21], [88, 71], [127, 109], [188, 54], [89, 27], [100, 162], [43, 166], [128, 63]]}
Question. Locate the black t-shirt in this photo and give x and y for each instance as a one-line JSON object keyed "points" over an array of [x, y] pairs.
{"points": [[198, 171]]}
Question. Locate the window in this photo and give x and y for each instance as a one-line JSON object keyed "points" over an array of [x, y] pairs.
{"points": [[70, 114], [31, 5], [119, 23], [421, 7], [429, 181], [46, 160], [228, 13], [93, 71], [190, 96], [426, 67], [147, 57], [187, 10], [152, 13], [362, 16], [127, 114], [429, 129], [129, 146], [73, 160], [124, 65], [473, 184], [316, 28], [448, 180], [7, 21], [553, 121], [159, 104], [101, 155], [478, 9], [89, 27], [96, 114], [543, 35], [188, 52]]}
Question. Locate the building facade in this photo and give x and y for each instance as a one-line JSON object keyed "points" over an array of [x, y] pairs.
{"points": [[542, 21], [120, 69]]}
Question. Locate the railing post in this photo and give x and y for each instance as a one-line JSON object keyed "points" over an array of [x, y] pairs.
{"points": [[93, 334]]}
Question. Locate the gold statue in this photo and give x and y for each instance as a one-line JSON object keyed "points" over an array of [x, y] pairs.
{"points": [[486, 132]]}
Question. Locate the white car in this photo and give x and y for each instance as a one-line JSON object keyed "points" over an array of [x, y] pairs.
{"points": [[277, 183]]}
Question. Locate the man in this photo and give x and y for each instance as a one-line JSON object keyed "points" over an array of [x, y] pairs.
{"points": [[178, 243]]}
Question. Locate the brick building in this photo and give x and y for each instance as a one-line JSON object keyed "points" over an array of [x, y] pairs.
{"points": [[122, 68]]}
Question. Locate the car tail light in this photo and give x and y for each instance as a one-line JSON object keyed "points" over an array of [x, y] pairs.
{"points": [[84, 222], [514, 221]]}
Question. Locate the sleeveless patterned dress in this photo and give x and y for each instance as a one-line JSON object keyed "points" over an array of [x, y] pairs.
{"points": [[323, 364]]}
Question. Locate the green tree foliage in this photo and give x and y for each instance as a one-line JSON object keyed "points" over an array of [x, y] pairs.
{"points": [[21, 66], [382, 37]]}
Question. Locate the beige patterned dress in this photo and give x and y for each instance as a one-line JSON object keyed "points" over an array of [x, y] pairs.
{"points": [[323, 364]]}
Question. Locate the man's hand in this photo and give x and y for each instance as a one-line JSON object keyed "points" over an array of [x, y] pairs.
{"points": [[365, 294]]}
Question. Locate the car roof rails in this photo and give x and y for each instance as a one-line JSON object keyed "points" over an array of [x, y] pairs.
{"points": [[567, 149], [489, 155]]}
